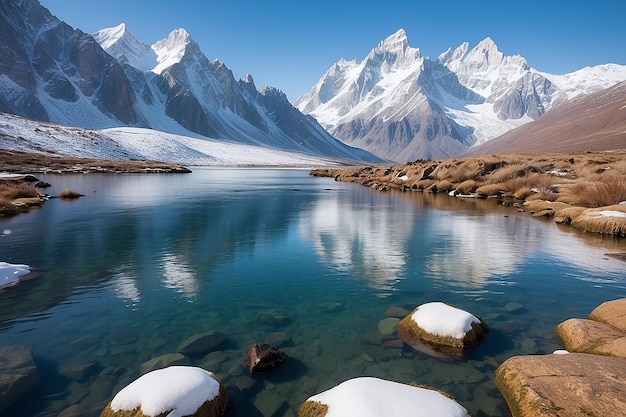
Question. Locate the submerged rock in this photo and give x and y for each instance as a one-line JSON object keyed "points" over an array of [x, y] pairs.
{"points": [[263, 358], [575, 384], [272, 319], [202, 343], [163, 361], [373, 397], [18, 374], [440, 329]]}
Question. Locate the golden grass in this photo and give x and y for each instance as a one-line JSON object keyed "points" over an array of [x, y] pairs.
{"points": [[575, 180], [610, 220], [12, 190], [597, 191], [489, 190], [67, 194], [467, 187]]}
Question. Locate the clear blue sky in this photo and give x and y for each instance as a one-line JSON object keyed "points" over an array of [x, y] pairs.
{"points": [[289, 44]]}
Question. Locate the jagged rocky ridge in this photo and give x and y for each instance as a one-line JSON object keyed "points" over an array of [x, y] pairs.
{"points": [[404, 106], [52, 72]]}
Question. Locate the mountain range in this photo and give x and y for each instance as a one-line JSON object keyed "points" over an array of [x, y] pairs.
{"points": [[394, 105], [402, 106], [52, 72], [593, 122]]}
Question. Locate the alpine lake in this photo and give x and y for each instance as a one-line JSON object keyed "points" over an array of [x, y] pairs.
{"points": [[142, 262]]}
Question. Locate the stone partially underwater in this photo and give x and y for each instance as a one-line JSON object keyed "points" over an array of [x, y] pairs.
{"points": [[373, 397], [441, 330]]}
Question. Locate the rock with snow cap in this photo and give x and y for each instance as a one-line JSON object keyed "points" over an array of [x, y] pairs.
{"points": [[438, 328], [374, 397], [176, 391]]}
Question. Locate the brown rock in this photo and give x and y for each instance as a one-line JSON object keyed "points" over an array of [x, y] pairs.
{"points": [[589, 336], [263, 358], [611, 312], [436, 345], [575, 384], [211, 408]]}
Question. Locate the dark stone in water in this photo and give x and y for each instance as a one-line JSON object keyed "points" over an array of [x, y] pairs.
{"points": [[18, 374], [263, 358]]}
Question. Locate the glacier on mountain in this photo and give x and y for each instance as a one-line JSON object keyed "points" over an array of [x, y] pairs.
{"points": [[401, 105]]}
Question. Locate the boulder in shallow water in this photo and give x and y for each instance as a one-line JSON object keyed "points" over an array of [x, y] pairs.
{"points": [[574, 384], [263, 358], [202, 343], [18, 374], [175, 391], [438, 328], [374, 397], [163, 361], [272, 319]]}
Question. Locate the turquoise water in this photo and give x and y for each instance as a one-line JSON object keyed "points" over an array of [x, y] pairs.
{"points": [[142, 262]]}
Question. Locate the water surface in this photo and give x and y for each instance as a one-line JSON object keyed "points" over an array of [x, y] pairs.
{"points": [[142, 262]]}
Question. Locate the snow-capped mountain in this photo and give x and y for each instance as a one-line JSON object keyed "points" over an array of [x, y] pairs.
{"points": [[403, 106], [57, 74], [122, 44]]}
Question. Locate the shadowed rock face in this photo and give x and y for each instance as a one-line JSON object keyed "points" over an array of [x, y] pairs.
{"points": [[65, 63]]}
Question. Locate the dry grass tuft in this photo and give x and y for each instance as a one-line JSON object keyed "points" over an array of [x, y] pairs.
{"points": [[13, 190], [67, 194], [610, 220], [597, 191], [467, 187], [490, 190], [568, 214]]}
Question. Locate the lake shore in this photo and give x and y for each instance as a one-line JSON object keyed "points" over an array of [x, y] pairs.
{"points": [[587, 191]]}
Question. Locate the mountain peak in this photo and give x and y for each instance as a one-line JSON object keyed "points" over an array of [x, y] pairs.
{"points": [[172, 49], [395, 42], [122, 44]]}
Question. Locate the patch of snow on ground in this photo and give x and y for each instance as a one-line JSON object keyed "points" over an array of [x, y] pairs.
{"points": [[123, 143], [612, 213], [374, 397], [11, 273], [179, 389], [444, 320]]}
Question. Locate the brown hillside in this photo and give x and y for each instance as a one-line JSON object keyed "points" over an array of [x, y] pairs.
{"points": [[591, 123]]}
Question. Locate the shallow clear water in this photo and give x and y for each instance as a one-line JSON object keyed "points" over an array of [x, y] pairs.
{"points": [[142, 262]]}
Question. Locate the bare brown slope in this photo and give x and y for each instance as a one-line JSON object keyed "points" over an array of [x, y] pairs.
{"points": [[595, 122]]}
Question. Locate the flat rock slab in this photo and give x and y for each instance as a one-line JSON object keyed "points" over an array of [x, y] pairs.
{"points": [[575, 384]]}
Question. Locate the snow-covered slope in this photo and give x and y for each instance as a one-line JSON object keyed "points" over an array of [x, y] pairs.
{"points": [[122, 143], [401, 105]]}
